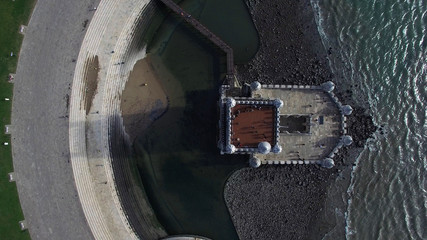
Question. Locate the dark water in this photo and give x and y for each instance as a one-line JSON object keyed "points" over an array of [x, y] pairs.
{"points": [[381, 47], [179, 161]]}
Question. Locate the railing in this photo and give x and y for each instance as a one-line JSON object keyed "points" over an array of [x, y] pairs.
{"points": [[208, 34]]}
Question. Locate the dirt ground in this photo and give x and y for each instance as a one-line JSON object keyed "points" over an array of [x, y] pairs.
{"points": [[90, 82]]}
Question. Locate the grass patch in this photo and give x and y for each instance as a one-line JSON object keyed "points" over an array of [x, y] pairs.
{"points": [[12, 15]]}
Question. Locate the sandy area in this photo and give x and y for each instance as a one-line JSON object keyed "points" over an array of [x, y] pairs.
{"points": [[143, 100]]}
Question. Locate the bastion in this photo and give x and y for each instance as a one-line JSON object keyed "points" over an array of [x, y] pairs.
{"points": [[283, 124]]}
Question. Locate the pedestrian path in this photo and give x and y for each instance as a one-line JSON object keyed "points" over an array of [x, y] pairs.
{"points": [[99, 145]]}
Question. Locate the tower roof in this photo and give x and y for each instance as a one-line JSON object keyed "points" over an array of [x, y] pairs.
{"points": [[264, 147], [255, 86], [347, 140], [328, 86], [346, 109], [327, 163], [254, 162]]}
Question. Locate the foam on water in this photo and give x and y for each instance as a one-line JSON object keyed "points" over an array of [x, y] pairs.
{"points": [[379, 48]]}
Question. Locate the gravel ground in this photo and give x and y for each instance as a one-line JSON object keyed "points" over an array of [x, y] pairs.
{"points": [[289, 202]]}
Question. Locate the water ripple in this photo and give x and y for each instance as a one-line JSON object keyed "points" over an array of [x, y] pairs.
{"points": [[382, 48]]}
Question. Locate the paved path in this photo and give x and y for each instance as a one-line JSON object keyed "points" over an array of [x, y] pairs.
{"points": [[40, 129]]}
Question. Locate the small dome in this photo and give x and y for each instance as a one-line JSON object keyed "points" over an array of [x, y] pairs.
{"points": [[264, 147], [346, 109], [328, 86], [278, 103], [231, 102], [277, 149], [327, 163], [230, 148], [347, 140], [255, 86], [254, 162]]}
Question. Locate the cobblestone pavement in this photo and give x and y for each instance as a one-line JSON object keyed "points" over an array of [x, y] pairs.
{"points": [[40, 122]]}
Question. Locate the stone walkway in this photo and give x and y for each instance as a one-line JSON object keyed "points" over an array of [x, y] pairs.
{"points": [[98, 142], [71, 183], [40, 148]]}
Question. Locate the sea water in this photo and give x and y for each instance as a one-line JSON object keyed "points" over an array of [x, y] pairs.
{"points": [[380, 47]]}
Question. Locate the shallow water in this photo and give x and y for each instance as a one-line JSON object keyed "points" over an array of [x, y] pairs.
{"points": [[181, 168], [380, 46]]}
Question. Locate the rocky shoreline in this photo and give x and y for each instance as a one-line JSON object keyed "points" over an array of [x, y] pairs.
{"points": [[292, 201]]}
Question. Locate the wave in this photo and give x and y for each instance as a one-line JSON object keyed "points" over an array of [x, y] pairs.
{"points": [[380, 46]]}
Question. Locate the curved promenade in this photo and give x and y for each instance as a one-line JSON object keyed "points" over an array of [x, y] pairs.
{"points": [[40, 148], [72, 164], [115, 207], [71, 153]]}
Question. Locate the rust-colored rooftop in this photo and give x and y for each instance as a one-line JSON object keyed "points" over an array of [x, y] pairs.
{"points": [[252, 124]]}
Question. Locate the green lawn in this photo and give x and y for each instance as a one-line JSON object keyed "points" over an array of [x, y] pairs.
{"points": [[12, 15]]}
